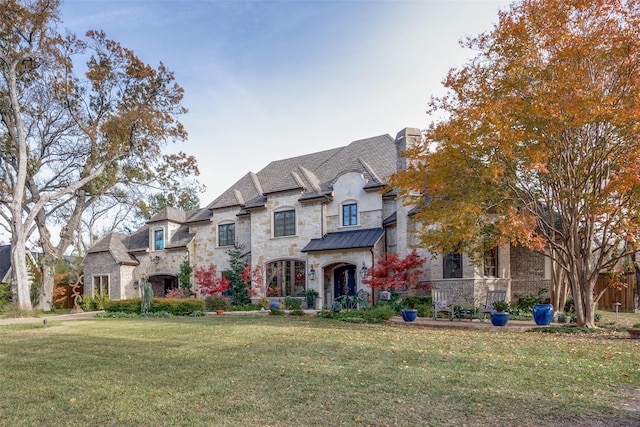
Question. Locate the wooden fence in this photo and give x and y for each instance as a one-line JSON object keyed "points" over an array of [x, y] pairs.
{"points": [[625, 296], [63, 296]]}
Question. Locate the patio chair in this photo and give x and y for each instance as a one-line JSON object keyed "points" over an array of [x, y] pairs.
{"points": [[441, 303], [492, 296]]}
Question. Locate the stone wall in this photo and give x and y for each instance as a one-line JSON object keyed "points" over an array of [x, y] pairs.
{"points": [[101, 264]]}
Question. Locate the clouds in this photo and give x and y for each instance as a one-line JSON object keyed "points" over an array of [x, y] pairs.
{"points": [[266, 80]]}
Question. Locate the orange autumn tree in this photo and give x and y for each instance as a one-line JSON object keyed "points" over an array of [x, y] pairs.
{"points": [[536, 143]]}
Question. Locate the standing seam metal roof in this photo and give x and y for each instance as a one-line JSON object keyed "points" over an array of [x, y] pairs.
{"points": [[352, 239]]}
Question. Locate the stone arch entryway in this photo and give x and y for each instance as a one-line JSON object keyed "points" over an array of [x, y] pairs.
{"points": [[344, 281], [340, 280], [162, 283]]}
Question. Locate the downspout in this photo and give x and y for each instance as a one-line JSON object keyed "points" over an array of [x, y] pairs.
{"points": [[372, 258]]}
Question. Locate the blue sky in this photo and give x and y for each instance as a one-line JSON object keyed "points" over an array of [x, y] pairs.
{"points": [[266, 80]]}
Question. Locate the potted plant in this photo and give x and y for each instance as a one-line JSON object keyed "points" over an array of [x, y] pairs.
{"points": [[634, 331], [409, 313], [310, 294], [500, 317], [218, 304]]}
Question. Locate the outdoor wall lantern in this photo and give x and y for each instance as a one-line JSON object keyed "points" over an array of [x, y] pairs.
{"points": [[363, 270], [156, 259], [312, 274]]}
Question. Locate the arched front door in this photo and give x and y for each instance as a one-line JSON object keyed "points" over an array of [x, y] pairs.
{"points": [[344, 279], [162, 284]]}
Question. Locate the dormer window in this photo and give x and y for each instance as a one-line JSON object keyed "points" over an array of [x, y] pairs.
{"points": [[158, 240], [350, 214]]}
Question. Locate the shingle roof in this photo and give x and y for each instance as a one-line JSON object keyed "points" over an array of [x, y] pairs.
{"points": [[169, 214], [315, 173], [116, 245], [5, 260], [352, 239], [180, 238]]}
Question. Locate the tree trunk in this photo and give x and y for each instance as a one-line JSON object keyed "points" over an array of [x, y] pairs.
{"points": [[582, 290], [45, 298], [15, 127], [21, 278], [559, 286]]}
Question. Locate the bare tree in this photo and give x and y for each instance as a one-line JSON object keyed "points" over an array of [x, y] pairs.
{"points": [[76, 141]]}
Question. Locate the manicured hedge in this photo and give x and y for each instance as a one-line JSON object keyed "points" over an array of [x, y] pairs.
{"points": [[416, 300], [175, 306]]}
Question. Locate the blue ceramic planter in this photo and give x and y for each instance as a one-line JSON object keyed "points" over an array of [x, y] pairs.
{"points": [[499, 319], [409, 315], [274, 305], [543, 314]]}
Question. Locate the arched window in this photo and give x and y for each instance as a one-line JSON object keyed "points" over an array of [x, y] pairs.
{"points": [[289, 278]]}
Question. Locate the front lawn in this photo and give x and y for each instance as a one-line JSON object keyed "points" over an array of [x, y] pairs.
{"points": [[286, 371]]}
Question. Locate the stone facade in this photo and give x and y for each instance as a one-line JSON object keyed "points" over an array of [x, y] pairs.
{"points": [[322, 219]]}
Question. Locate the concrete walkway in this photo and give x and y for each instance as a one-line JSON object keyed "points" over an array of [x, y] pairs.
{"points": [[512, 326], [19, 320], [476, 324]]}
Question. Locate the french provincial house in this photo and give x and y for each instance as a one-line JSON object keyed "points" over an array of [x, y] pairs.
{"points": [[319, 219]]}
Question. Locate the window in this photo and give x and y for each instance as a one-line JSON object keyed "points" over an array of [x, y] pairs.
{"points": [[158, 240], [350, 214], [100, 285], [491, 262], [226, 235], [284, 223], [452, 266], [288, 278]]}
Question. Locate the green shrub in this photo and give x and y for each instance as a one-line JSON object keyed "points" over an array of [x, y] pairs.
{"points": [[379, 314], [125, 305], [217, 303], [526, 302], [101, 301], [501, 306], [246, 307], [394, 304], [264, 303], [157, 314], [276, 312], [291, 303], [297, 312], [117, 315], [5, 294], [88, 303], [424, 310], [197, 313], [415, 301], [177, 306]]}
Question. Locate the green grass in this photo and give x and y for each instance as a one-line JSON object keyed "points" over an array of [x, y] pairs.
{"points": [[289, 370]]}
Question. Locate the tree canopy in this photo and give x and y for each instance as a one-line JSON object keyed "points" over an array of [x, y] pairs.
{"points": [[77, 140], [537, 144]]}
